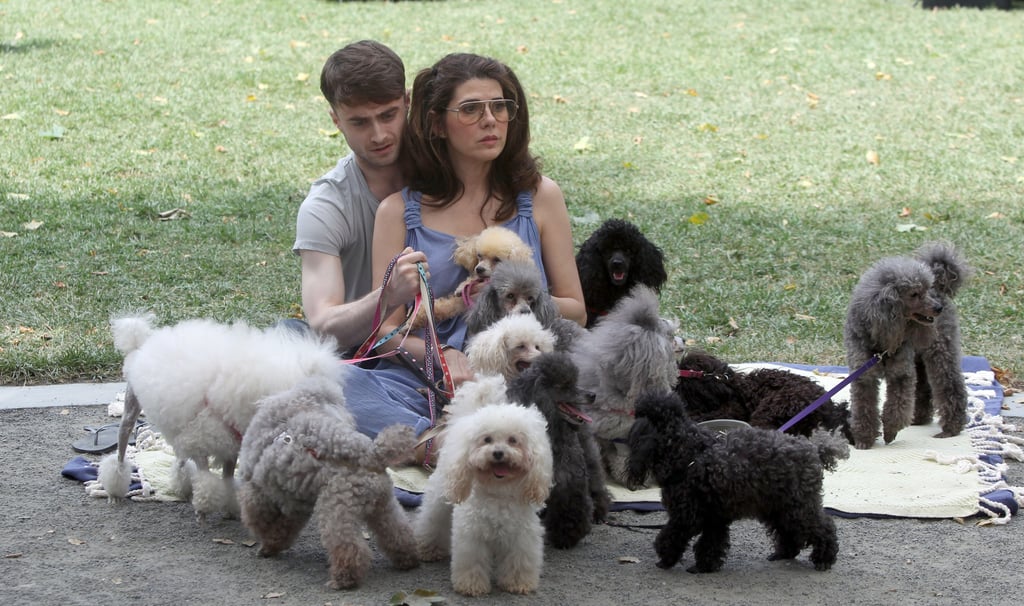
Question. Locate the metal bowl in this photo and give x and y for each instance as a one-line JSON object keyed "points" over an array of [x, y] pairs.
{"points": [[720, 427]]}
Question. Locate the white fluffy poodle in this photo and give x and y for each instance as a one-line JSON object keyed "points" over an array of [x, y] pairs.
{"points": [[480, 504], [497, 355], [198, 383], [509, 345]]}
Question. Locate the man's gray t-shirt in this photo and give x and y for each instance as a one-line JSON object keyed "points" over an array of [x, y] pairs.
{"points": [[336, 218]]}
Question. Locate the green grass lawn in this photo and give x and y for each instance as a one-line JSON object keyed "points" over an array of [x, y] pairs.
{"points": [[154, 154]]}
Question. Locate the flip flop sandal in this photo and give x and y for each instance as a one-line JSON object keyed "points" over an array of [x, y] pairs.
{"points": [[104, 438]]}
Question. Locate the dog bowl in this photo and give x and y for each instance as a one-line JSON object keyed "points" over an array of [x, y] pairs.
{"points": [[720, 427]]}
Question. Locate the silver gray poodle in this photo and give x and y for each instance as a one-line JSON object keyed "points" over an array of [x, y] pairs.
{"points": [[579, 496], [902, 309], [629, 351], [302, 452], [708, 481]]}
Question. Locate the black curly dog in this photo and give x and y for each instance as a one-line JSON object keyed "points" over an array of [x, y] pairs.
{"points": [[579, 496], [615, 258], [708, 481]]}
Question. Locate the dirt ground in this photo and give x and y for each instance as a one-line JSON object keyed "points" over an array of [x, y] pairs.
{"points": [[62, 547]]}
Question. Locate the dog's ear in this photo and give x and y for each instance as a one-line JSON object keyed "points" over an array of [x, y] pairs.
{"points": [[484, 312], [487, 352], [545, 310], [651, 264], [643, 444], [465, 253], [453, 462], [537, 485]]}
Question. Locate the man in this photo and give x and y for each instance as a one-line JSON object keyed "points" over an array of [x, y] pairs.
{"points": [[364, 84]]}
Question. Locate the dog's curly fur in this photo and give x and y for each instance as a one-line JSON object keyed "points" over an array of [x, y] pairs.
{"points": [[708, 482], [479, 255], [628, 351], [198, 383], [902, 309], [611, 261], [509, 345], [302, 451], [480, 504], [515, 287], [579, 496], [764, 397]]}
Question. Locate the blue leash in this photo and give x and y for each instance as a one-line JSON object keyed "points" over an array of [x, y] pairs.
{"points": [[875, 359]]}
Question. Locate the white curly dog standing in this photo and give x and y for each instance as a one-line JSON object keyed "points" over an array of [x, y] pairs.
{"points": [[480, 504], [198, 383]]}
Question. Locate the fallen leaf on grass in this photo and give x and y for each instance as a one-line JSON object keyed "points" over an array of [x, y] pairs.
{"points": [[871, 157], [905, 212], [174, 213], [583, 145], [75, 541], [273, 595], [699, 218], [223, 541], [909, 227], [32, 225], [56, 132], [804, 317], [629, 560], [14, 116], [249, 543], [11, 556], [996, 215], [8, 234]]}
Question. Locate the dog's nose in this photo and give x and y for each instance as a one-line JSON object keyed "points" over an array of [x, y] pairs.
{"points": [[498, 455], [481, 271], [937, 309], [588, 397]]}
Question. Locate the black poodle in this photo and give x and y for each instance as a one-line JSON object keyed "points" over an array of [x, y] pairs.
{"points": [[707, 482], [579, 496], [764, 397], [616, 257]]}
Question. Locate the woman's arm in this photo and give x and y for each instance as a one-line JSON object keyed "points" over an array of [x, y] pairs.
{"points": [[389, 233], [552, 217]]}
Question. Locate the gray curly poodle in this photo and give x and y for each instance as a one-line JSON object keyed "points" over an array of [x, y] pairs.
{"points": [[902, 309], [708, 481], [302, 452]]}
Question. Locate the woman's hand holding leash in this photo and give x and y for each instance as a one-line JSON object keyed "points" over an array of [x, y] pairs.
{"points": [[404, 284]]}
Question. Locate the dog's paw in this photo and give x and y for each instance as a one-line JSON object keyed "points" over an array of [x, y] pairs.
{"points": [[946, 434], [889, 436], [863, 444], [471, 584]]}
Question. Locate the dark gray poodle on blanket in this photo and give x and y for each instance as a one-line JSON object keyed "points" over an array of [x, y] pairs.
{"points": [[902, 309], [708, 481], [579, 496], [302, 452]]}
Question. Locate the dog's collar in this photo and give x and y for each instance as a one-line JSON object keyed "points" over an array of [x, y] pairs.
{"points": [[700, 374], [623, 412], [597, 312]]}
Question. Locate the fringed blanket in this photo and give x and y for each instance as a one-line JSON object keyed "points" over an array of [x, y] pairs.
{"points": [[916, 476]]}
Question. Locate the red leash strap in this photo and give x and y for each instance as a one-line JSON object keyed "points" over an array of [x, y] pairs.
{"points": [[371, 341]]}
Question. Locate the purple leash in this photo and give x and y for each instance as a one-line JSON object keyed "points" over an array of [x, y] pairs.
{"points": [[825, 397]]}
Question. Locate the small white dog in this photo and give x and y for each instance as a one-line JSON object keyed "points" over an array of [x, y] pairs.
{"points": [[480, 504], [198, 383], [509, 345]]}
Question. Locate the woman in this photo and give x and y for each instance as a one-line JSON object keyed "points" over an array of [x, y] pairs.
{"points": [[465, 155]]}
